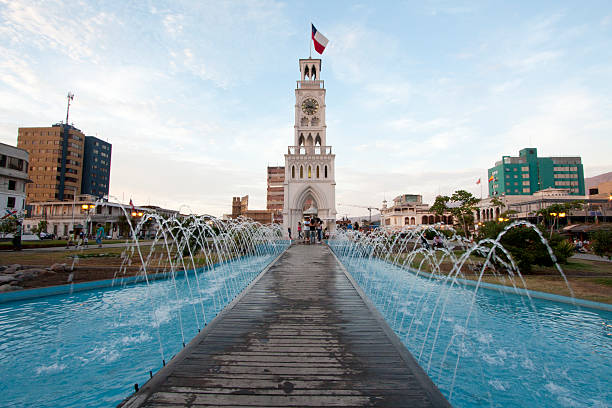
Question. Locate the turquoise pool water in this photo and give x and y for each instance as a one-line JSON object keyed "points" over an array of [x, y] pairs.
{"points": [[88, 349], [513, 352]]}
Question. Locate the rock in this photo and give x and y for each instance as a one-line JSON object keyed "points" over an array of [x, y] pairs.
{"points": [[27, 274], [12, 269], [8, 288], [47, 272], [58, 267], [6, 279], [33, 271]]}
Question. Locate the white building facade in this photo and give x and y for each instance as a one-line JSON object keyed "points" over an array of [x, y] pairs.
{"points": [[309, 163], [408, 210], [13, 179]]}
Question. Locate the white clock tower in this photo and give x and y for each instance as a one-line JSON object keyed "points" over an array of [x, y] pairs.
{"points": [[309, 163]]}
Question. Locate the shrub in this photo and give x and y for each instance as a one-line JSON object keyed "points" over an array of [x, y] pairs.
{"points": [[602, 243], [526, 247]]}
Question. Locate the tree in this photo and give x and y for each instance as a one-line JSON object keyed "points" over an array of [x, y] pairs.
{"points": [[41, 227], [526, 246], [465, 205], [439, 206], [8, 225], [462, 208], [558, 208], [602, 243]]}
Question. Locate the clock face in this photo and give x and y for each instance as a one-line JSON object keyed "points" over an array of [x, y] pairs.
{"points": [[310, 106]]}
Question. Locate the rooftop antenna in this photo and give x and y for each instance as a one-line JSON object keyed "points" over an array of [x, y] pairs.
{"points": [[70, 97]]}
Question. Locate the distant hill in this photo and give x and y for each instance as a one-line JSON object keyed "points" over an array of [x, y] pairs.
{"points": [[596, 180]]}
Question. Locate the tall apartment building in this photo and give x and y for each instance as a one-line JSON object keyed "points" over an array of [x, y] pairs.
{"points": [[13, 178], [276, 191], [528, 173], [96, 167], [56, 161]]}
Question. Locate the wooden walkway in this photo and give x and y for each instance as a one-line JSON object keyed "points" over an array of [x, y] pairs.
{"points": [[301, 335]]}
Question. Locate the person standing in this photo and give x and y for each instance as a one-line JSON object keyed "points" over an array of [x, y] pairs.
{"points": [[319, 229], [17, 237], [99, 235], [313, 230], [307, 230], [299, 230], [289, 229]]}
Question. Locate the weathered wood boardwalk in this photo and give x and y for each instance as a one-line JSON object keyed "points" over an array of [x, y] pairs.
{"points": [[301, 335]]}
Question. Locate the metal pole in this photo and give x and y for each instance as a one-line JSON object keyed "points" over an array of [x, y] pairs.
{"points": [[73, 199], [310, 42]]}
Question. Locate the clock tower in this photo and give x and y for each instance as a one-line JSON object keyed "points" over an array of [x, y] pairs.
{"points": [[310, 186]]}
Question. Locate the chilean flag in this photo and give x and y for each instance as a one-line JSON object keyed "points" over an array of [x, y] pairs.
{"points": [[320, 42]]}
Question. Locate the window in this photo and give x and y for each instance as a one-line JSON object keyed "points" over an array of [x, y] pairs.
{"points": [[325, 171], [11, 185], [2, 160], [10, 203], [309, 172], [525, 183], [301, 172], [317, 171], [15, 163], [526, 190], [526, 175]]}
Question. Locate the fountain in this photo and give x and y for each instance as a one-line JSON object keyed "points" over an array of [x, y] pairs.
{"points": [[482, 344], [89, 348]]}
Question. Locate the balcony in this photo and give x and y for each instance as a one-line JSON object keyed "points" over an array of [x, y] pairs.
{"points": [[316, 84], [304, 150]]}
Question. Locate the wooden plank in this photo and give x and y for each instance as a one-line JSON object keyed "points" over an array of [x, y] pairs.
{"points": [[301, 335]]}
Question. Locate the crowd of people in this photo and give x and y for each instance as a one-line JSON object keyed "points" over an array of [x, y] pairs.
{"points": [[310, 231], [81, 239]]}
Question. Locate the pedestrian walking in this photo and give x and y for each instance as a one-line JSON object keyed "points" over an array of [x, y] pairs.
{"points": [[289, 229], [99, 235]]}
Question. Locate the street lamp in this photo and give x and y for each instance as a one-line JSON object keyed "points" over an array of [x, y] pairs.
{"points": [[87, 207]]}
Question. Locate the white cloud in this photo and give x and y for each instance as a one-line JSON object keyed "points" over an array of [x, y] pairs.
{"points": [[505, 86]]}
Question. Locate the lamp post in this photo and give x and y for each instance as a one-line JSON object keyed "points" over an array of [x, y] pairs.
{"points": [[136, 214], [87, 207]]}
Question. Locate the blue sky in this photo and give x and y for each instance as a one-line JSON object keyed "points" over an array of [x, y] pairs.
{"points": [[422, 96]]}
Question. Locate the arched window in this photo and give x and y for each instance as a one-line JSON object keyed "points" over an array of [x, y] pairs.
{"points": [[412, 220], [301, 172], [317, 171], [309, 172], [425, 220], [407, 221], [304, 121], [309, 141], [306, 72], [449, 220], [318, 140], [314, 73], [431, 219], [437, 219], [292, 171], [301, 140], [325, 171]]}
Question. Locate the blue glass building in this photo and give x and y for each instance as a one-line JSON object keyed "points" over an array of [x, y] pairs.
{"points": [[96, 167]]}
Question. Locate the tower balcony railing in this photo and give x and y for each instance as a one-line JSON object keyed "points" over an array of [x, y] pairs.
{"points": [[311, 84], [309, 150]]}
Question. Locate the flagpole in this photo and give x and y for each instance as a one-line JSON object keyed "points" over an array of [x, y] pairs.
{"points": [[310, 42]]}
